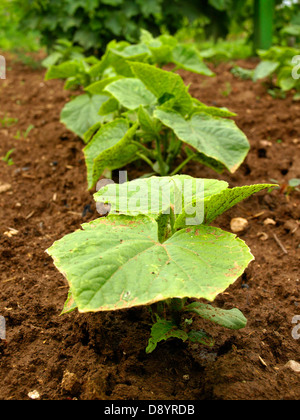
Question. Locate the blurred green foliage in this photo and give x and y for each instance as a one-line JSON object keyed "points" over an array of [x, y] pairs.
{"points": [[11, 37], [92, 24]]}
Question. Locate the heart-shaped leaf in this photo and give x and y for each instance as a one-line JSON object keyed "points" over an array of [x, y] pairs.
{"points": [[158, 195], [118, 262], [161, 82], [131, 93], [217, 138], [82, 113], [110, 148], [188, 58], [187, 197]]}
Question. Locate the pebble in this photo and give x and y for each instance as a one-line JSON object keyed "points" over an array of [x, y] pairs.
{"points": [[4, 188], [295, 366], [269, 222], [265, 143], [263, 236], [238, 224], [70, 382], [33, 395]]}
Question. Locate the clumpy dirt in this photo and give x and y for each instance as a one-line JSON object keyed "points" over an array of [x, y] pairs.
{"points": [[102, 356]]}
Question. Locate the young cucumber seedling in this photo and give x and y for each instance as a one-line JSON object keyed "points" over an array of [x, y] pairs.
{"points": [[158, 123], [156, 249]]}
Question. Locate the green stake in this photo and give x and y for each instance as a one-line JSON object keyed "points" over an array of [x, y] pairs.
{"points": [[263, 24]]}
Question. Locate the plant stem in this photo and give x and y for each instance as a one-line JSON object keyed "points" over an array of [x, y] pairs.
{"points": [[174, 149], [176, 305], [172, 221], [147, 160], [144, 148], [160, 158], [183, 164]]}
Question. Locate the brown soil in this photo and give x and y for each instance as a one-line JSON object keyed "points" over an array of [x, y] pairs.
{"points": [[102, 356]]}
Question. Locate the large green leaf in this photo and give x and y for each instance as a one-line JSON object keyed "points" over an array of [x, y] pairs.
{"points": [[226, 199], [131, 93], [162, 83], [201, 199], [110, 148], [157, 195], [82, 113], [217, 138], [219, 203], [118, 262]]}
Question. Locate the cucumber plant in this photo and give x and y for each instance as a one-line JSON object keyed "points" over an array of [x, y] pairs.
{"points": [[280, 65], [157, 249], [157, 120], [94, 74]]}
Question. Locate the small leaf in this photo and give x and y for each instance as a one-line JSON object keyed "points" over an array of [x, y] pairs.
{"points": [[226, 199], [201, 337], [163, 330], [88, 135], [131, 93], [211, 110], [232, 319], [265, 69], [108, 107]]}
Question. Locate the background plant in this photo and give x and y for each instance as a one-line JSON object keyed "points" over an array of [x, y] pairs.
{"points": [[276, 64], [93, 24], [69, 63], [159, 122], [11, 36], [63, 50]]}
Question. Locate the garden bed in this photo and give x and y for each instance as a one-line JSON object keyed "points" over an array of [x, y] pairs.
{"points": [[102, 356]]}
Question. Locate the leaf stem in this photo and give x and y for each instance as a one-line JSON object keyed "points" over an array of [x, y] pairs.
{"points": [[176, 305], [160, 158], [183, 164], [172, 221], [146, 159], [142, 147]]}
